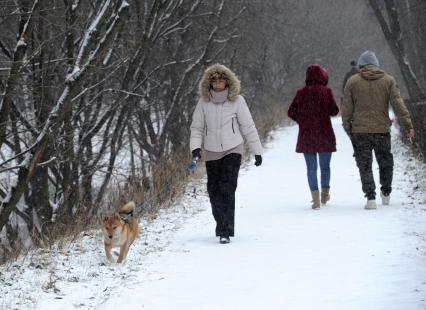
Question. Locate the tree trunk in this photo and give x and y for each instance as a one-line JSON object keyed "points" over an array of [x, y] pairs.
{"points": [[26, 24], [69, 186]]}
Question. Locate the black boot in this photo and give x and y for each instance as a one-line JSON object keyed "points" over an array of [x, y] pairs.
{"points": [[224, 240]]}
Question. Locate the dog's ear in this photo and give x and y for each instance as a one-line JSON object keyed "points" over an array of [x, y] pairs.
{"points": [[105, 218]]}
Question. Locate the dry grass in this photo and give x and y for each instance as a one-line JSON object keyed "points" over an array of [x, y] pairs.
{"points": [[270, 118]]}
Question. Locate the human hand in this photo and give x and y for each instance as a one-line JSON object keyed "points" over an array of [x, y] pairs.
{"points": [[410, 134], [258, 160], [196, 153]]}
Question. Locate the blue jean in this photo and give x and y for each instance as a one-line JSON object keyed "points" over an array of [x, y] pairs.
{"points": [[312, 165]]}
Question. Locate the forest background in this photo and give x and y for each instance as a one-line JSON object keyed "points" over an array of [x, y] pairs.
{"points": [[97, 96]]}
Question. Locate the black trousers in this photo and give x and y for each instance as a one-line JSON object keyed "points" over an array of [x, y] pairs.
{"points": [[364, 144], [222, 176]]}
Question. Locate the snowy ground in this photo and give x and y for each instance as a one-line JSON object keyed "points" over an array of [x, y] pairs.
{"points": [[284, 256]]}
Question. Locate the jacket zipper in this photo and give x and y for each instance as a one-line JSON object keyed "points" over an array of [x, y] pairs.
{"points": [[219, 115]]}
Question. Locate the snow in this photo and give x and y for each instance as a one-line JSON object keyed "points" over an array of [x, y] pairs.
{"points": [[21, 43], [75, 4], [71, 77], [125, 4], [107, 56], [284, 256]]}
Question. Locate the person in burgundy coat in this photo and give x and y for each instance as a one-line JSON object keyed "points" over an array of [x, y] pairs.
{"points": [[312, 108]]}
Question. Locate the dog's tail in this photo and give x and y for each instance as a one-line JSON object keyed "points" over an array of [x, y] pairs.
{"points": [[128, 208]]}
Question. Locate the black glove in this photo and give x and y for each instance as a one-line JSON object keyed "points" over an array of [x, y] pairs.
{"points": [[258, 160], [196, 153]]}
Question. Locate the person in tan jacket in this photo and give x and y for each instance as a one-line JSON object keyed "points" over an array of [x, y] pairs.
{"points": [[221, 120], [365, 115]]}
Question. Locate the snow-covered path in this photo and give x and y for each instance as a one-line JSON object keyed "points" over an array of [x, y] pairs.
{"points": [[287, 256], [284, 256]]}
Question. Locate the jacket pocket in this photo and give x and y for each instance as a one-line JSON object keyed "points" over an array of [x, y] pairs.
{"points": [[233, 130]]}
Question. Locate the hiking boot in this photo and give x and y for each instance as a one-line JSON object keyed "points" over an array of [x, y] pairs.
{"points": [[385, 199], [315, 200], [325, 195], [371, 204], [224, 240]]}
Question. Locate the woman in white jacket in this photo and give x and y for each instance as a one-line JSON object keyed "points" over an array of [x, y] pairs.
{"points": [[220, 121]]}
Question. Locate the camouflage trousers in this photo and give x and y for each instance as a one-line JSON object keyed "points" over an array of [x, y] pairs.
{"points": [[364, 144]]}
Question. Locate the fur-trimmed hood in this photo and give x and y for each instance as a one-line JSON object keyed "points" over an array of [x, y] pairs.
{"points": [[233, 83]]}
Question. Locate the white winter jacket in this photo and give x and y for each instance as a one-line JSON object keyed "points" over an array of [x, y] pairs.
{"points": [[222, 126]]}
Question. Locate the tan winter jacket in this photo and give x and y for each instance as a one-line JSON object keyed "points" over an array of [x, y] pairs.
{"points": [[366, 100], [222, 126]]}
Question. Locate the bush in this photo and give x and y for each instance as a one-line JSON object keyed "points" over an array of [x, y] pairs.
{"points": [[418, 116]]}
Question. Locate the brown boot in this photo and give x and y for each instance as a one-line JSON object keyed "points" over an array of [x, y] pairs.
{"points": [[325, 195], [315, 200]]}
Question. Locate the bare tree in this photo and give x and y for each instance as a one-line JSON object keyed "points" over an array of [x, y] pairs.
{"points": [[91, 48], [392, 31], [106, 93]]}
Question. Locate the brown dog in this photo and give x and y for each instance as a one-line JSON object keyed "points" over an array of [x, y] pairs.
{"points": [[120, 230]]}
